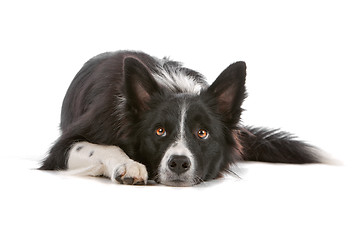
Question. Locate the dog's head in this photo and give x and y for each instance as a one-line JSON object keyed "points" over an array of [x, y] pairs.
{"points": [[184, 138]]}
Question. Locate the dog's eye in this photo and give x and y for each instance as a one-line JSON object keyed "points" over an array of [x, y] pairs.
{"points": [[202, 134], [161, 132]]}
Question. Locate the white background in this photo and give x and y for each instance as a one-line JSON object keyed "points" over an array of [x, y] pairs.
{"points": [[303, 61]]}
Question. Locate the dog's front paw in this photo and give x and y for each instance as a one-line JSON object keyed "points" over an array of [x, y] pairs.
{"points": [[130, 173]]}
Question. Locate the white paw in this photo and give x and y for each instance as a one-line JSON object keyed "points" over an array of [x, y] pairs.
{"points": [[129, 173]]}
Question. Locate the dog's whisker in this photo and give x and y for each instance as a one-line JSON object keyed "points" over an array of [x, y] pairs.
{"points": [[197, 180], [233, 173]]}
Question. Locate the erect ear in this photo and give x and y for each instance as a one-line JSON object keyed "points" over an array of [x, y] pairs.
{"points": [[140, 85], [229, 91]]}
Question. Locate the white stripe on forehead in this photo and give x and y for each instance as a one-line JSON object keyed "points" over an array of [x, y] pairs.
{"points": [[180, 140], [179, 147], [183, 111]]}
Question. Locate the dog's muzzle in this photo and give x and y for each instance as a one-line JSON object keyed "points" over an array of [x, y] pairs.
{"points": [[178, 171]]}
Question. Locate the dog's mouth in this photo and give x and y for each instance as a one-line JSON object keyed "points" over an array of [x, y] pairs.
{"points": [[177, 181]]}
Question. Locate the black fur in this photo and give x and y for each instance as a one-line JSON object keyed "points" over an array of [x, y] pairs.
{"points": [[115, 100]]}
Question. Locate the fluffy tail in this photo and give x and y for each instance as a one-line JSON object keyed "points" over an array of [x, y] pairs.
{"points": [[275, 146]]}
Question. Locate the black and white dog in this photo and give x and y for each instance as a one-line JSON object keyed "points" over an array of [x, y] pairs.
{"points": [[132, 117]]}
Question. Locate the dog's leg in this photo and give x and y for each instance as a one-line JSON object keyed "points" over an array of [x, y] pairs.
{"points": [[98, 160]]}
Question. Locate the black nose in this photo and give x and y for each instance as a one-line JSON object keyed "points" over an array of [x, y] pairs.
{"points": [[179, 164]]}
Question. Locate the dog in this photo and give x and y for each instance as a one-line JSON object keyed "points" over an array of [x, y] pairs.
{"points": [[132, 117]]}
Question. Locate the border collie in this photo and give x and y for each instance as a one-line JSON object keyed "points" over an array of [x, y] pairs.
{"points": [[132, 117]]}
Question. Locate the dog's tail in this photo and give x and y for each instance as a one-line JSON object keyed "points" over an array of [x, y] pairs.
{"points": [[275, 146]]}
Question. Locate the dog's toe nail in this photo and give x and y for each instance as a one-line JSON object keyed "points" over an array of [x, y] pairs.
{"points": [[141, 182], [118, 179], [128, 180]]}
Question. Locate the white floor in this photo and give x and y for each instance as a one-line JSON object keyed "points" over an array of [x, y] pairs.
{"points": [[267, 202]]}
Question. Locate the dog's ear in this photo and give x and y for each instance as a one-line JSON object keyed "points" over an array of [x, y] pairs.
{"points": [[229, 91], [140, 85]]}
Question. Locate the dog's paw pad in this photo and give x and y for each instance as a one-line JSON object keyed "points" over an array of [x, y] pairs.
{"points": [[131, 173]]}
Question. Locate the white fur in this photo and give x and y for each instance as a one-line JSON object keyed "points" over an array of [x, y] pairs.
{"points": [[178, 79], [95, 160], [182, 121]]}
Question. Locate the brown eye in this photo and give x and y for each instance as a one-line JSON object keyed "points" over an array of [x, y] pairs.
{"points": [[161, 132], [202, 134]]}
